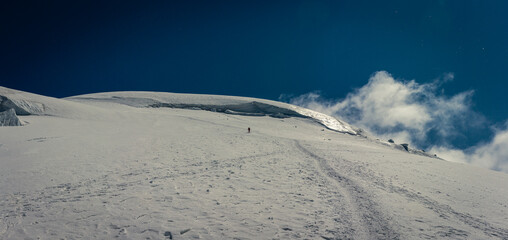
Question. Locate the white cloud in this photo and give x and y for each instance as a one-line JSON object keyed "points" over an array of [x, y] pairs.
{"points": [[388, 107], [492, 155], [419, 114]]}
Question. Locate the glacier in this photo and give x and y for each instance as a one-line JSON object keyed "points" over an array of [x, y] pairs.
{"points": [[149, 165]]}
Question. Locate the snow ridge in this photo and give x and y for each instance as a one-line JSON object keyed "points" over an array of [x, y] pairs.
{"points": [[25, 103], [216, 103], [21, 106], [82, 106]]}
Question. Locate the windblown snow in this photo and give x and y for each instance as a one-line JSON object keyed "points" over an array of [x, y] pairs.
{"points": [[147, 165]]}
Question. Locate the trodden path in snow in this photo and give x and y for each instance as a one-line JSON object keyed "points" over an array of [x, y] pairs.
{"points": [[368, 222], [200, 180], [453, 223]]}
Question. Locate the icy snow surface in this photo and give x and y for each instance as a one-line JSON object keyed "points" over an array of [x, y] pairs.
{"points": [[9, 118], [139, 165]]}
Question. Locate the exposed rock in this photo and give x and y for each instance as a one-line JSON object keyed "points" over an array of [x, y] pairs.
{"points": [[405, 146], [168, 235]]}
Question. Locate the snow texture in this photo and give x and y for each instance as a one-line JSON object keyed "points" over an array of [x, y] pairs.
{"points": [[133, 166]]}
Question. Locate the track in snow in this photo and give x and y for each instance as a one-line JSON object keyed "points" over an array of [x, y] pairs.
{"points": [[446, 212], [370, 222], [442, 210]]}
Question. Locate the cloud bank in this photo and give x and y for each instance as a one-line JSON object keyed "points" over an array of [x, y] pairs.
{"points": [[418, 114], [492, 155]]}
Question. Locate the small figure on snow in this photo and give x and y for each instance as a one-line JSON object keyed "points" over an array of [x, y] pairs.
{"points": [[248, 130]]}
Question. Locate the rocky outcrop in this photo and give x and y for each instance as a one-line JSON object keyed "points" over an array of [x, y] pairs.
{"points": [[405, 146]]}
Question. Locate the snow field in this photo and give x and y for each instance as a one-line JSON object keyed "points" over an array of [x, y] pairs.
{"points": [[106, 169]]}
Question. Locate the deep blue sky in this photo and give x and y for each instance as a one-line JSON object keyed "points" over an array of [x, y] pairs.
{"points": [[254, 48]]}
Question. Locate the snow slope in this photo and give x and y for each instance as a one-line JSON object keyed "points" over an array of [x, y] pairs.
{"points": [[217, 103], [140, 165], [32, 104]]}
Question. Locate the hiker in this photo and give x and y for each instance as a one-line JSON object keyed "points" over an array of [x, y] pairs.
{"points": [[248, 130]]}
